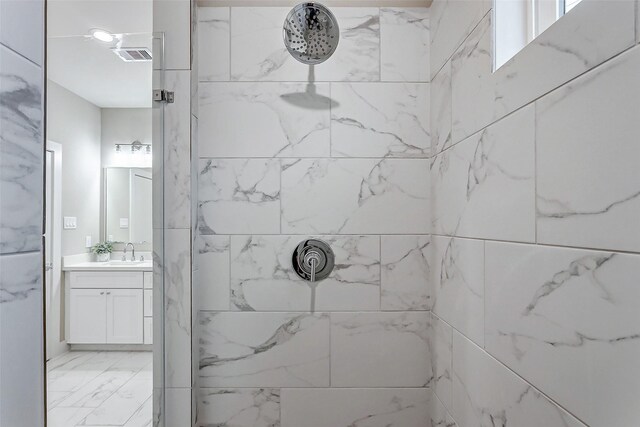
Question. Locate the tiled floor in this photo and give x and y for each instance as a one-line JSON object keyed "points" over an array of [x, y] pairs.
{"points": [[108, 388]]}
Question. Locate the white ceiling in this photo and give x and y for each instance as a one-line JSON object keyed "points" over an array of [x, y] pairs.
{"points": [[88, 67]]}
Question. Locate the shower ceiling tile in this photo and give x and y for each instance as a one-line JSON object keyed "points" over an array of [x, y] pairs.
{"points": [[405, 273], [20, 154], [363, 196], [380, 349], [350, 407], [484, 390], [588, 185], [573, 310], [264, 120], [484, 186], [264, 349], [239, 196], [457, 279], [380, 120], [404, 44], [214, 51], [262, 277]]}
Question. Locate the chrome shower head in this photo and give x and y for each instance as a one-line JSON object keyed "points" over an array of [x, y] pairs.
{"points": [[311, 33]]}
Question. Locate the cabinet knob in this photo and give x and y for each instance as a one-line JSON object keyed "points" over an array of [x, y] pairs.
{"points": [[108, 293], [101, 293]]}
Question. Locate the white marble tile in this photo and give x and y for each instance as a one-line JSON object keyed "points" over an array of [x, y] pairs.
{"points": [[484, 186], [250, 407], [588, 185], [440, 110], [194, 180], [405, 273], [99, 389], [357, 57], [257, 48], [380, 349], [121, 405], [177, 298], [15, 17], [389, 407], [441, 349], [65, 417], [363, 195], [239, 196], [21, 359], [593, 32], [380, 120], [575, 311], [404, 44], [214, 272], [143, 416], [177, 406], [439, 415], [20, 152], [172, 17], [485, 392], [214, 48], [451, 22], [472, 84], [262, 277], [458, 285], [177, 152], [264, 120], [264, 350]]}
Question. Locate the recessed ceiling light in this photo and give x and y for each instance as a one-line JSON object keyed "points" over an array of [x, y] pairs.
{"points": [[102, 35]]}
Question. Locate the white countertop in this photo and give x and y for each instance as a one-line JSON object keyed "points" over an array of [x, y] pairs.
{"points": [[108, 266]]}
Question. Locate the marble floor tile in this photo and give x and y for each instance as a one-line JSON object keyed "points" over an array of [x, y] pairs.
{"points": [[573, 310], [339, 407], [380, 120], [239, 349], [380, 349]]}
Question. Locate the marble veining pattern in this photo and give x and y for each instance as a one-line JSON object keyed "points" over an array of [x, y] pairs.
{"points": [[364, 349], [404, 44], [441, 353], [214, 51], [20, 153], [405, 273], [264, 349], [440, 99], [262, 277], [484, 187], [239, 196], [575, 310], [213, 253], [380, 120], [388, 407], [485, 393], [363, 194], [224, 407], [264, 119]]}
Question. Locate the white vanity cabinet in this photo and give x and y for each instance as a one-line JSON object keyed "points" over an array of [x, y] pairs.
{"points": [[108, 307]]}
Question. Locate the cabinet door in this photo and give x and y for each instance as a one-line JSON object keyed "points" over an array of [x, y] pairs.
{"points": [[124, 316], [87, 316]]}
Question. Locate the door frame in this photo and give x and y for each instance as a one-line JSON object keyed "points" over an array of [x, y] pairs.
{"points": [[54, 348]]}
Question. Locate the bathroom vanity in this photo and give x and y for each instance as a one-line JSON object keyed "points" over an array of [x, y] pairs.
{"points": [[109, 302]]}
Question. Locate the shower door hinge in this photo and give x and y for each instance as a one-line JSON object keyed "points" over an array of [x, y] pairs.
{"points": [[162, 95]]}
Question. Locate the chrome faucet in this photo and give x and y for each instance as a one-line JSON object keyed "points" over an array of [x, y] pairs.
{"points": [[133, 252]]}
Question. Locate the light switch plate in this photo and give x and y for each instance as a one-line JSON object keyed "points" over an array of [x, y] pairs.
{"points": [[70, 223], [88, 242], [124, 222]]}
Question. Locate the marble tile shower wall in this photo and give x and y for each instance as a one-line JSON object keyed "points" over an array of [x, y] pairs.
{"points": [[21, 165], [535, 252], [341, 153]]}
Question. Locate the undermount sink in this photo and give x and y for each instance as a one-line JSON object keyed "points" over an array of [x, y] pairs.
{"points": [[116, 262]]}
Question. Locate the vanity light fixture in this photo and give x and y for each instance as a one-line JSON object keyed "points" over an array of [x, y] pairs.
{"points": [[102, 35], [136, 147]]}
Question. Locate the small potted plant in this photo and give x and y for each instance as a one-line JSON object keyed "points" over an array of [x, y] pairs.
{"points": [[103, 251]]}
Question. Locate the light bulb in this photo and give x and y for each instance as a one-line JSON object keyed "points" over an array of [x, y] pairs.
{"points": [[102, 35]]}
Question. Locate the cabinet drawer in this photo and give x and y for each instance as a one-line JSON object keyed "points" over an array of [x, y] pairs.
{"points": [[148, 280], [148, 303], [106, 279]]}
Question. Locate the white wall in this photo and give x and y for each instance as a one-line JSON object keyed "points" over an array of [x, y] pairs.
{"points": [[75, 123], [125, 125]]}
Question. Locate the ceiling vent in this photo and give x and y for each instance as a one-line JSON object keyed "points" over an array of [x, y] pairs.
{"points": [[133, 54]]}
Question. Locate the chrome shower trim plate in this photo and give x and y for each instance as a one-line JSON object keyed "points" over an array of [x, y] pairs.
{"points": [[311, 33]]}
